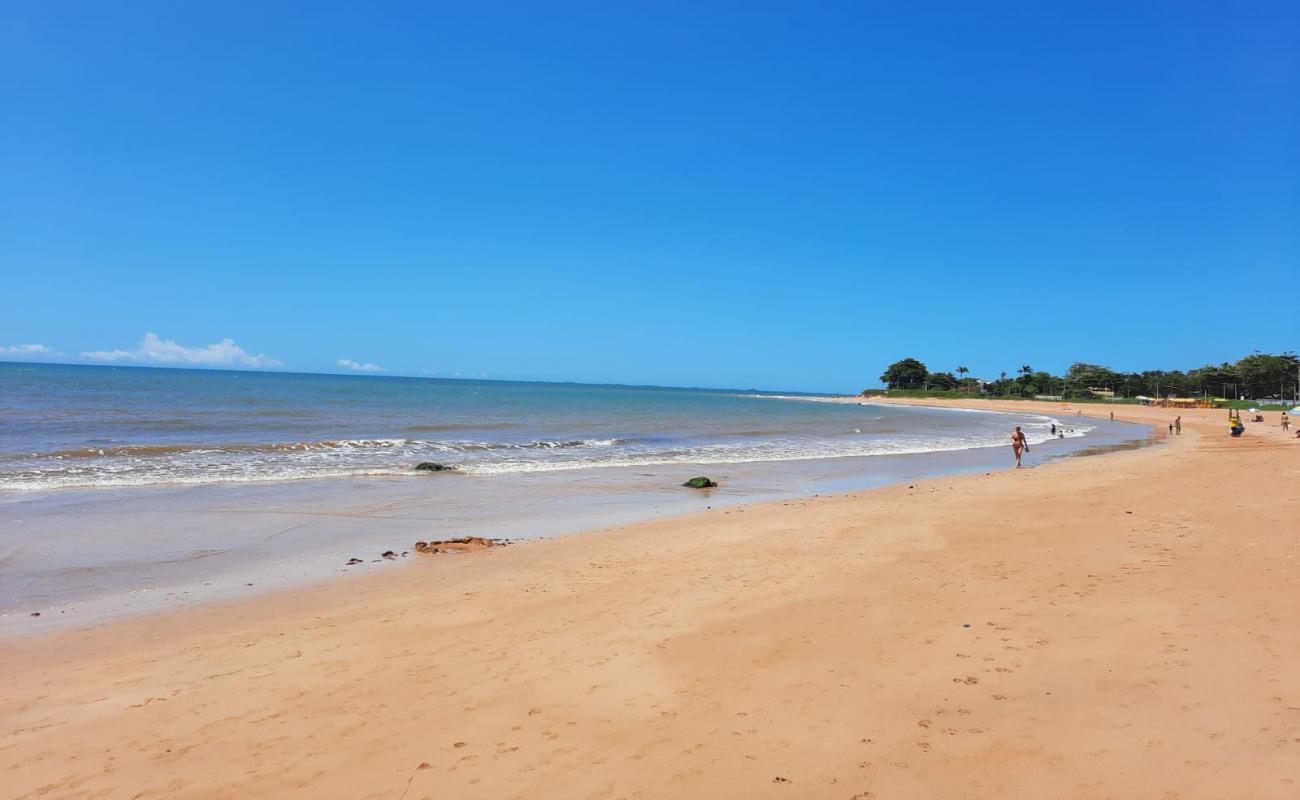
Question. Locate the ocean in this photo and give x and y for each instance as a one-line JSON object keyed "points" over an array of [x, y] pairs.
{"points": [[128, 489], [78, 427]]}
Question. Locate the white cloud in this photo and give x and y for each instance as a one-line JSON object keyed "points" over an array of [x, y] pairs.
{"points": [[153, 350], [25, 351], [352, 365]]}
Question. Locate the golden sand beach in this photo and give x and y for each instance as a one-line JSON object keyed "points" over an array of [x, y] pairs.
{"points": [[1118, 626]]}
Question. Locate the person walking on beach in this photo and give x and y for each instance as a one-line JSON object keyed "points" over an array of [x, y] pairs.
{"points": [[1112, 416], [1019, 444], [1178, 426], [1286, 422]]}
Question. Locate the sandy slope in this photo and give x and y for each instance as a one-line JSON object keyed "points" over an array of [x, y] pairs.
{"points": [[1122, 626]]}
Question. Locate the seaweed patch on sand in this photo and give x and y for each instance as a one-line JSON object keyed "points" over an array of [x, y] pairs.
{"points": [[464, 544]]}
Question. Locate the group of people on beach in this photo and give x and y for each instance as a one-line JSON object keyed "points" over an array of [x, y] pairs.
{"points": [[1237, 428], [1020, 444]]}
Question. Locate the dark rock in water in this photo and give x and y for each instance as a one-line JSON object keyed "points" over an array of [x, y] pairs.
{"points": [[700, 483], [431, 466], [389, 554], [352, 561]]}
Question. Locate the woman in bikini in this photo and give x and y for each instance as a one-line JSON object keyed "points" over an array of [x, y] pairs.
{"points": [[1019, 443]]}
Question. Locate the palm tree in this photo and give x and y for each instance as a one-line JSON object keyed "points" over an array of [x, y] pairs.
{"points": [[1025, 371], [962, 371], [1002, 379]]}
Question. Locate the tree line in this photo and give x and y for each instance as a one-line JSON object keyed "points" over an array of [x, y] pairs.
{"points": [[1256, 376]]}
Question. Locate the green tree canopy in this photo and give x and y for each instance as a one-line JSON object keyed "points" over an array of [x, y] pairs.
{"points": [[906, 374], [1258, 375], [1091, 376], [1216, 380], [943, 381], [1264, 375]]}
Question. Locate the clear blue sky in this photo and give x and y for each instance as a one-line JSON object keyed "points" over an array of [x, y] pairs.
{"points": [[782, 195]]}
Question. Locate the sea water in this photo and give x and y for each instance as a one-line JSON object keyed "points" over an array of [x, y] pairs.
{"points": [[130, 488], [80, 427]]}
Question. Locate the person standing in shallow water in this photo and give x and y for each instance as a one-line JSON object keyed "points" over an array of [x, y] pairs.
{"points": [[1019, 443]]}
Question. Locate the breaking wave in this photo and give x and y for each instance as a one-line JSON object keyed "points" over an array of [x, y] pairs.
{"points": [[161, 464]]}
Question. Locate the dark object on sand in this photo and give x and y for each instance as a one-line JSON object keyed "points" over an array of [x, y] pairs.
{"points": [[700, 483], [431, 466], [462, 545]]}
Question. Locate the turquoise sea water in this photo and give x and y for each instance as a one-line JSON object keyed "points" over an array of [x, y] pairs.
{"points": [[76, 426]]}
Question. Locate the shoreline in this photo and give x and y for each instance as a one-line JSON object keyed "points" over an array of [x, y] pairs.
{"points": [[94, 555], [1022, 633]]}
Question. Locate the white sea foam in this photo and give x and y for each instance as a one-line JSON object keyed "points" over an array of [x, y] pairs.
{"points": [[394, 457]]}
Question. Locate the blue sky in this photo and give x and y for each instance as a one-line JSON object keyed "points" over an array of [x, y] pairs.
{"points": [[782, 195]]}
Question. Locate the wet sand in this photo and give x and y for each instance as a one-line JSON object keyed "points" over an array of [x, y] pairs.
{"points": [[1118, 626]]}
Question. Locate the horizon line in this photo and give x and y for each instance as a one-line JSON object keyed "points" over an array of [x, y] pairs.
{"points": [[368, 375]]}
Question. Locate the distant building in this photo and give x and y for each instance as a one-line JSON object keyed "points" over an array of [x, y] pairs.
{"points": [[1102, 392]]}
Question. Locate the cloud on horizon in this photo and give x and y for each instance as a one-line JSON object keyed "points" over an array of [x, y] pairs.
{"points": [[29, 351], [153, 350], [352, 365]]}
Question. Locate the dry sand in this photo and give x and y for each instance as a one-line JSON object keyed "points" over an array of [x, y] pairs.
{"points": [[1123, 626]]}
